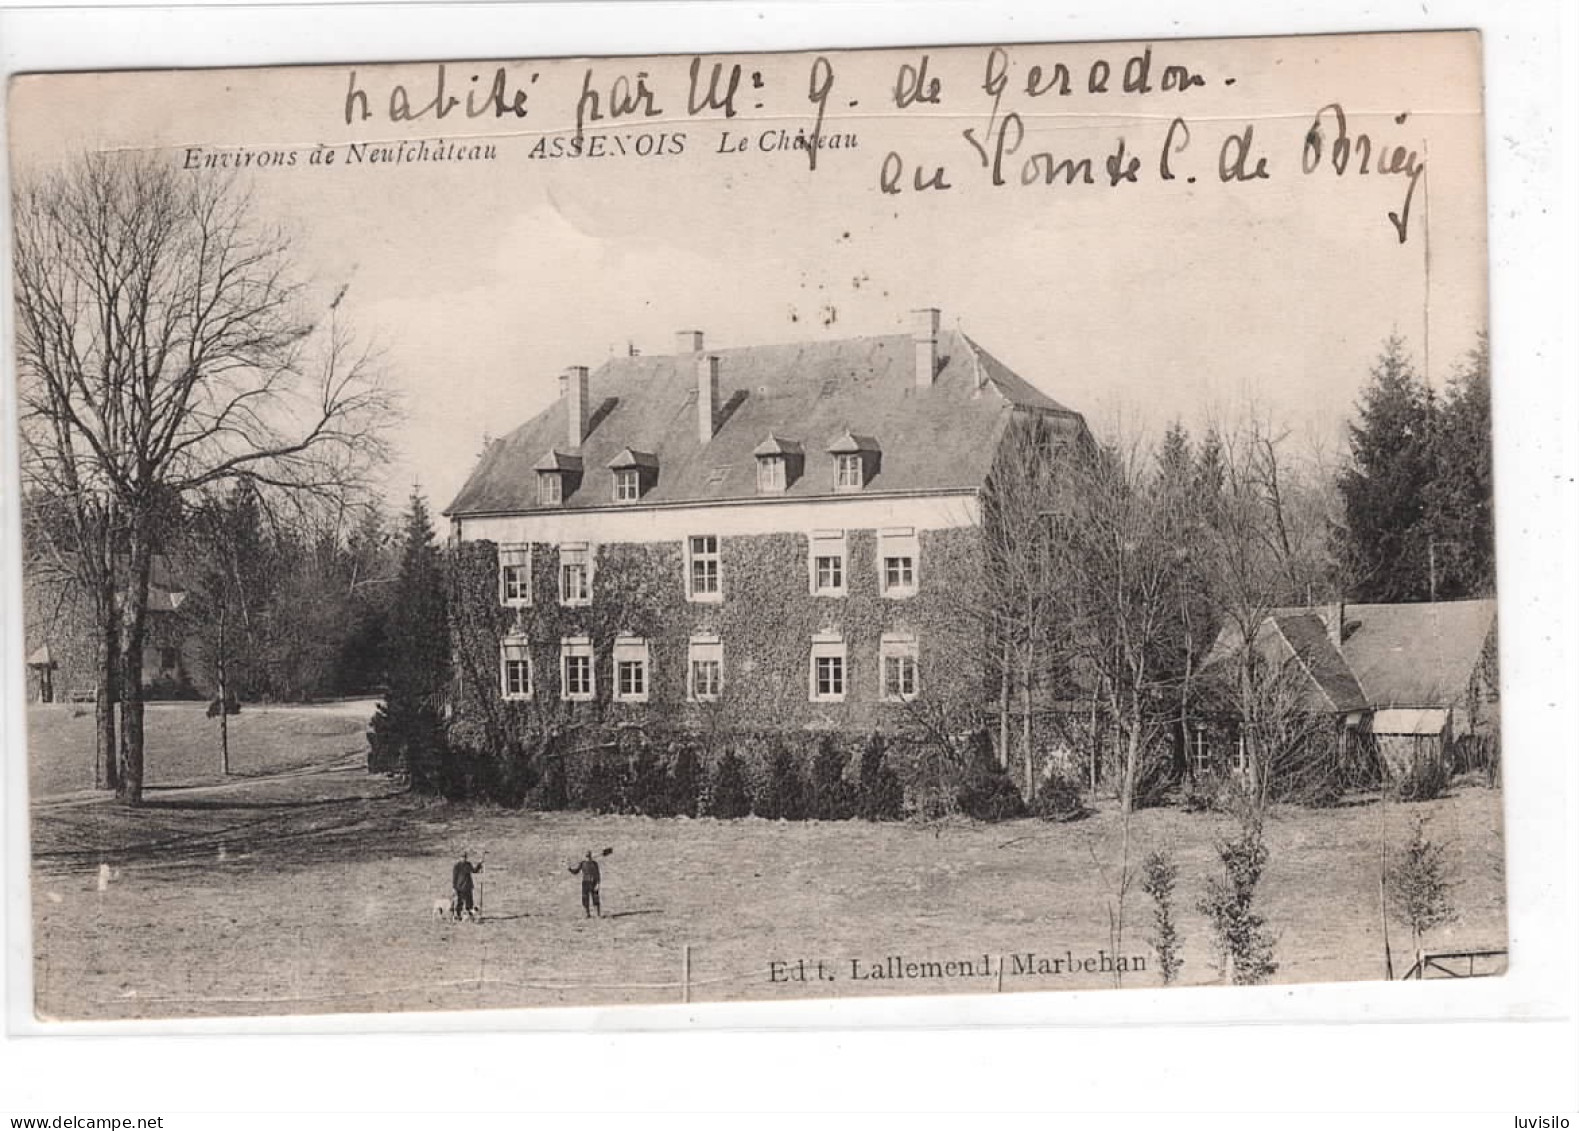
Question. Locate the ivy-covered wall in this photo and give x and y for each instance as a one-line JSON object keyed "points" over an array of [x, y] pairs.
{"points": [[766, 622]]}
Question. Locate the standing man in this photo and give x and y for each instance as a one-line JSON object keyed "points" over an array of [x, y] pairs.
{"points": [[461, 876], [590, 877]]}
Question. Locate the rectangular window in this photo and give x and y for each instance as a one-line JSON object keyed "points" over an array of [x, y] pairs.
{"points": [[631, 663], [706, 679], [899, 656], [575, 574], [515, 669], [702, 570], [851, 475], [898, 553], [575, 669], [627, 485], [550, 488], [827, 669], [771, 478], [515, 575], [827, 554]]}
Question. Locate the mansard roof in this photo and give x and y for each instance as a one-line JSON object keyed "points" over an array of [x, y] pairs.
{"points": [[942, 438]]}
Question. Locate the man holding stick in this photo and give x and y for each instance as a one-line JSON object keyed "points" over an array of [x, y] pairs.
{"points": [[590, 878], [461, 877]]}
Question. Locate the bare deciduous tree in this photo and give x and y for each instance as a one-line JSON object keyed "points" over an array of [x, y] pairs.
{"points": [[163, 347]]}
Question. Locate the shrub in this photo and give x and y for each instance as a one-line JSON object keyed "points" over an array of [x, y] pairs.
{"points": [[988, 793], [1060, 800], [644, 789], [727, 797], [232, 707], [1244, 947], [1419, 890], [832, 799], [600, 792], [405, 734], [1159, 874], [1425, 780], [553, 786], [783, 794], [685, 782], [880, 795], [1201, 793], [1154, 782]]}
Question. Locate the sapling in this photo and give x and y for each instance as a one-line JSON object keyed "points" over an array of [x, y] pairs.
{"points": [[1244, 946], [1419, 887], [1159, 874]]}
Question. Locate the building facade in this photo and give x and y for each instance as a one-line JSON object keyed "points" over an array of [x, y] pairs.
{"points": [[762, 538], [62, 639]]}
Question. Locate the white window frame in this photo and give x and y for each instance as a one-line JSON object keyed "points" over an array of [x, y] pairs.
{"points": [[695, 557], [632, 650], [515, 650], [550, 488], [827, 544], [902, 649], [584, 556], [772, 475], [627, 485], [578, 648], [515, 556], [899, 543], [830, 648], [704, 650], [849, 471]]}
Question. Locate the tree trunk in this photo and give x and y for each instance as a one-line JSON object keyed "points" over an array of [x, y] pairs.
{"points": [[106, 769], [1096, 751], [134, 623], [1025, 737], [224, 701], [1003, 708]]}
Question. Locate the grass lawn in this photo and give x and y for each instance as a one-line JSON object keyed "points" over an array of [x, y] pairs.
{"points": [[313, 892], [182, 743]]}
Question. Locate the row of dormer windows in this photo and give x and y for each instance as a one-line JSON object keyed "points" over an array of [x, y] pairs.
{"points": [[780, 464], [828, 675], [827, 568]]}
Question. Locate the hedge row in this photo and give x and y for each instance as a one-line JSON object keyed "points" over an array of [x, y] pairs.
{"points": [[677, 783]]}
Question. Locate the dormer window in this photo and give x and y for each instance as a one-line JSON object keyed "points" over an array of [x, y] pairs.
{"points": [[634, 474], [851, 477], [779, 464], [855, 461], [771, 479], [558, 475]]}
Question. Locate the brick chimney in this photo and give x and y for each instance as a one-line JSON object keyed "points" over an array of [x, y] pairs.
{"points": [[574, 386], [706, 396], [925, 331], [688, 341]]}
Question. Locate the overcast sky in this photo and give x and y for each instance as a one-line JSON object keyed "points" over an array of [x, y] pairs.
{"points": [[1151, 300]]}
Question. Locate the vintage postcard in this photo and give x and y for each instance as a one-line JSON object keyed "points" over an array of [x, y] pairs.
{"points": [[615, 531]]}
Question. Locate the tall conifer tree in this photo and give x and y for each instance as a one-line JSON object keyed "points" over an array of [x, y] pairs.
{"points": [[408, 728], [1387, 543]]}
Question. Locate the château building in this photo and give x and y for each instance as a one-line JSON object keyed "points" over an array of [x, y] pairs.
{"points": [[780, 536]]}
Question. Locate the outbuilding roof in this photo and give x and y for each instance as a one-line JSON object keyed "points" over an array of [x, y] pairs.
{"points": [[1417, 655], [1420, 655], [940, 438]]}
